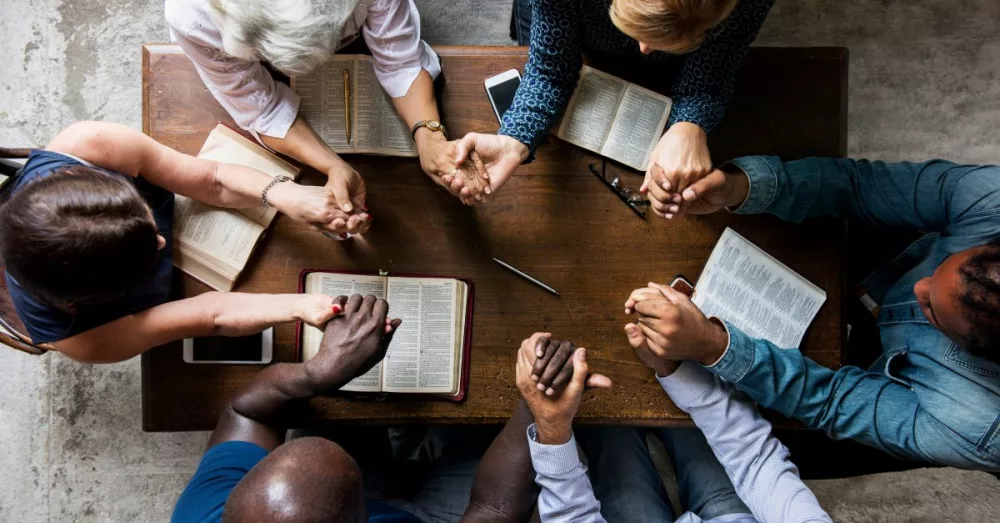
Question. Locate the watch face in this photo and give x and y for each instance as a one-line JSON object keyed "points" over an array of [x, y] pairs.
{"points": [[434, 126]]}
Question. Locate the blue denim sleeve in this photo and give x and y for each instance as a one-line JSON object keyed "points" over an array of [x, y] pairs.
{"points": [[708, 76], [960, 201], [847, 403], [220, 470], [553, 68]]}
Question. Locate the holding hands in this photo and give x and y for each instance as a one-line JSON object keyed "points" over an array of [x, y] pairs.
{"points": [[338, 207], [353, 342], [680, 159], [561, 363], [670, 327], [500, 157]]}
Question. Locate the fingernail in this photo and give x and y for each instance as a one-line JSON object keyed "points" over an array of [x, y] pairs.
{"points": [[370, 218], [540, 386], [488, 191], [534, 377], [583, 354], [336, 309], [670, 216], [674, 208], [550, 392], [539, 353]]}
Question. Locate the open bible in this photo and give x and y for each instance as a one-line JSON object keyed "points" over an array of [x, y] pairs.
{"points": [[429, 353], [212, 244], [614, 118], [761, 296], [345, 104]]}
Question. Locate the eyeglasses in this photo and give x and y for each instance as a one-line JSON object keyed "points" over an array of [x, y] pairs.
{"points": [[634, 199]]}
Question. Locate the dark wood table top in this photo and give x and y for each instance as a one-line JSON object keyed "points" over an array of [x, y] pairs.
{"points": [[553, 219]]}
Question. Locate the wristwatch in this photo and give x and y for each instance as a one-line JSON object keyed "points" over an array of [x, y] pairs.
{"points": [[432, 125]]}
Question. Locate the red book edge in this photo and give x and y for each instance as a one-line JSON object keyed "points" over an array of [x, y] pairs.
{"points": [[466, 343]]}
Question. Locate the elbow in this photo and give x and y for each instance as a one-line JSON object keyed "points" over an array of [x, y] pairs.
{"points": [[215, 322]]}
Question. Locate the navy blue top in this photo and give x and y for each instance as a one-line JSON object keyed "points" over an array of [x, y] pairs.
{"points": [[45, 323], [221, 469]]}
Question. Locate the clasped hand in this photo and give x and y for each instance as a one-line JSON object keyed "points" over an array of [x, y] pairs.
{"points": [[353, 342], [544, 366], [473, 177], [338, 207], [670, 328]]}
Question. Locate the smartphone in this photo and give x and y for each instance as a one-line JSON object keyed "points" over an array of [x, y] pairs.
{"points": [[255, 349], [501, 89], [682, 285]]}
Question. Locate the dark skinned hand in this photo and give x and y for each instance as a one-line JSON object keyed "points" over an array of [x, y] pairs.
{"points": [[353, 342], [553, 363]]}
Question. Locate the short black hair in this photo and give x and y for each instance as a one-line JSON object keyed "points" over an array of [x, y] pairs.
{"points": [[78, 236], [980, 276]]}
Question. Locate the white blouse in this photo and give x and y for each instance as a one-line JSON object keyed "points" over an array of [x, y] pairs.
{"points": [[257, 103]]}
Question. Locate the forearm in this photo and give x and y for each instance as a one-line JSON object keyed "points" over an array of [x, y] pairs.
{"points": [[419, 102], [260, 413], [504, 488], [566, 492], [757, 463], [303, 144]]}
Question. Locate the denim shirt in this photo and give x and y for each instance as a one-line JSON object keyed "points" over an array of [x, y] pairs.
{"points": [[935, 402]]}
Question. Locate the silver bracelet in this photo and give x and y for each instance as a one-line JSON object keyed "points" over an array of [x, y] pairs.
{"points": [[277, 179]]}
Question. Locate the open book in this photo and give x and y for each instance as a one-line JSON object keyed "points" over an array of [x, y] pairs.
{"points": [[429, 352], [212, 244], [614, 118], [761, 296], [345, 104]]}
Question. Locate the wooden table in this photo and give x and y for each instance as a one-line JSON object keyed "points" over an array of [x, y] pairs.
{"points": [[553, 219]]}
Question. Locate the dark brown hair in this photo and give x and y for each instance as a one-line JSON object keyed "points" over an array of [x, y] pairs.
{"points": [[77, 236]]}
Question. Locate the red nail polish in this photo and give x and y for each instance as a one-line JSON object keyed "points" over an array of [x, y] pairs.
{"points": [[336, 309], [370, 218]]}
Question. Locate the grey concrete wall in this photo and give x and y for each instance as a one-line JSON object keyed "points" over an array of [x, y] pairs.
{"points": [[923, 83]]}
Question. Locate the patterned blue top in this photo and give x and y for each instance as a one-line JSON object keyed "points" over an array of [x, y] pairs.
{"points": [[561, 30]]}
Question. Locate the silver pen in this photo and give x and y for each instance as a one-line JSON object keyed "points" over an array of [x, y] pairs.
{"points": [[525, 276]]}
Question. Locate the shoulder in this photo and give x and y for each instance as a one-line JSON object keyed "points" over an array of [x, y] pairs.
{"points": [[192, 19], [220, 470]]}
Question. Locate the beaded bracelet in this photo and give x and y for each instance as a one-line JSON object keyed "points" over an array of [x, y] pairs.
{"points": [[277, 179]]}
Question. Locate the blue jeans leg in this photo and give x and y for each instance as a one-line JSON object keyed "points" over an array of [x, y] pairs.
{"points": [[521, 22], [702, 483], [623, 475]]}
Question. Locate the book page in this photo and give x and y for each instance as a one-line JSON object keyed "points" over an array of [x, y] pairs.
{"points": [[592, 109], [637, 127], [422, 355], [227, 236], [225, 145], [322, 100], [762, 297], [333, 284], [379, 128]]}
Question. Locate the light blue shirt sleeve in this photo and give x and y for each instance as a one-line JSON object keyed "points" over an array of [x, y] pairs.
{"points": [[757, 463], [566, 495]]}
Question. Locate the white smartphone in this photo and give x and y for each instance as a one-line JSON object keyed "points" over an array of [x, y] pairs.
{"points": [[501, 89], [256, 349]]}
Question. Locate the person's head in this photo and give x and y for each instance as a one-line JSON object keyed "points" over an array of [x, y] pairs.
{"points": [[305, 480], [962, 299], [294, 36], [78, 236], [671, 26]]}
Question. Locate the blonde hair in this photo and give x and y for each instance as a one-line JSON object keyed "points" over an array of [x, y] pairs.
{"points": [[674, 25]]}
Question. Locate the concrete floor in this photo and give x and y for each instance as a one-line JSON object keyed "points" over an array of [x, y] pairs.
{"points": [[925, 82]]}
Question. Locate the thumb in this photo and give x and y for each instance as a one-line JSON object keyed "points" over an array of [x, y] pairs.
{"points": [[715, 180], [391, 326], [672, 294], [580, 370], [342, 195], [463, 147], [598, 381], [635, 336]]}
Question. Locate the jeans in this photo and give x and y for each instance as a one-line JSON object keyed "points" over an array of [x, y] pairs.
{"points": [[629, 488], [520, 22]]}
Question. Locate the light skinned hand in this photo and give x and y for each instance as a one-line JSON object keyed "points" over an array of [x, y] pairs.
{"points": [[501, 155], [438, 160], [553, 415], [680, 158], [347, 187], [318, 207], [674, 328], [663, 367]]}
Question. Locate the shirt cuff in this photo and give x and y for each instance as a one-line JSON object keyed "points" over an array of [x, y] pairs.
{"points": [[396, 79], [763, 182], [552, 460], [737, 358], [686, 384]]}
